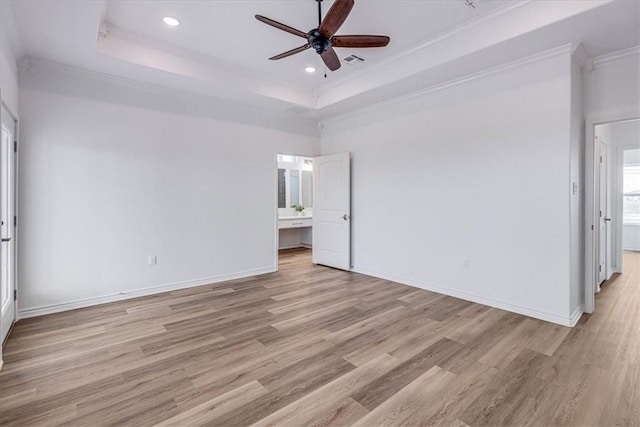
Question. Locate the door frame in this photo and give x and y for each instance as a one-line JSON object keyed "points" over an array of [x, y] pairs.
{"points": [[602, 210], [276, 239], [16, 168], [592, 203]]}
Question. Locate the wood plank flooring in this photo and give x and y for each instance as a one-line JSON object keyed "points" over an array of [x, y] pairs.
{"points": [[313, 346]]}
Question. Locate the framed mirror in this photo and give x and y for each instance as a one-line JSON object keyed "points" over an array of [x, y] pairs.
{"points": [[295, 181]]}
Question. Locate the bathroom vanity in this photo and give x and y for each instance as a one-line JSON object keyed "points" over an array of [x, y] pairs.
{"points": [[294, 231]]}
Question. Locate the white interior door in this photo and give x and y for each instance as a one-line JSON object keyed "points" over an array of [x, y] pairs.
{"points": [[603, 221], [7, 229], [332, 211]]}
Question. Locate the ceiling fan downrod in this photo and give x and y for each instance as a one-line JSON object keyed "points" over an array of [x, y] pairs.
{"points": [[318, 41]]}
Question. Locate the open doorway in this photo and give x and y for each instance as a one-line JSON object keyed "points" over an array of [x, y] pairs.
{"points": [[295, 206], [313, 199], [615, 205]]}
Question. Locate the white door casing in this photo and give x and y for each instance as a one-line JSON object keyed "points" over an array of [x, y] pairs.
{"points": [[603, 219], [332, 211], [7, 226]]}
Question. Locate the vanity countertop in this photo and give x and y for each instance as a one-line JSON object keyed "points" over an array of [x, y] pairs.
{"points": [[293, 217]]}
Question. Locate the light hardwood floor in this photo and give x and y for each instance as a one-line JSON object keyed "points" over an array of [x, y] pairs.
{"points": [[315, 346]]}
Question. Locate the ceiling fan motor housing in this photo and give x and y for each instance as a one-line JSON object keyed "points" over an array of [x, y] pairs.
{"points": [[318, 41]]}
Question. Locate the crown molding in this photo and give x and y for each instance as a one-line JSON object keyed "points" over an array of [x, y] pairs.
{"points": [[551, 53], [614, 56], [580, 55]]}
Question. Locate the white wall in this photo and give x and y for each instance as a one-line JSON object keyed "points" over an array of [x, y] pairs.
{"points": [[612, 89], [631, 237], [577, 180], [8, 74], [479, 169], [478, 172], [104, 185]]}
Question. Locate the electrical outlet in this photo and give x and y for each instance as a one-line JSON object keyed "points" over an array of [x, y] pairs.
{"points": [[467, 264], [153, 259]]}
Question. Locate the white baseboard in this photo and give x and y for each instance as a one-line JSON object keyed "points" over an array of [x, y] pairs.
{"points": [[548, 317], [87, 302], [577, 314]]}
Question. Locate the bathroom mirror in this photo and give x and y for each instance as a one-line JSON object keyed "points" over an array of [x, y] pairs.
{"points": [[306, 185], [295, 181]]}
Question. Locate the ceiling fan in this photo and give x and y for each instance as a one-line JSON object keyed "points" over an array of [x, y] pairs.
{"points": [[323, 38]]}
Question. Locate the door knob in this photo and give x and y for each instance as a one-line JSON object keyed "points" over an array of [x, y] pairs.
{"points": [[345, 217], [607, 219], [5, 239]]}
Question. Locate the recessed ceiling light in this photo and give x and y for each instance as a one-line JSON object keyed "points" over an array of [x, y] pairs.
{"points": [[310, 69], [172, 22]]}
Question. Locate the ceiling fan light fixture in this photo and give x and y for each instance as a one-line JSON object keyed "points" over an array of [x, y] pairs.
{"points": [[170, 21], [323, 39], [310, 70]]}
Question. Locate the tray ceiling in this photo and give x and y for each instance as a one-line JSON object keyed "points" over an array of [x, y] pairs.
{"points": [[220, 50]]}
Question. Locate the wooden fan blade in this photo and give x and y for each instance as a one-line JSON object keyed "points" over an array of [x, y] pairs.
{"points": [[330, 59], [291, 52], [335, 17], [282, 27], [360, 41]]}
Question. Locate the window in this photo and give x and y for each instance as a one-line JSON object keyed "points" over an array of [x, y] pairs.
{"points": [[631, 193], [286, 158]]}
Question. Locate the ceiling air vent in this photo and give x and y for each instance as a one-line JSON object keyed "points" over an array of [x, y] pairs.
{"points": [[353, 60]]}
